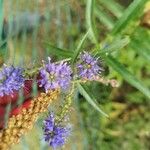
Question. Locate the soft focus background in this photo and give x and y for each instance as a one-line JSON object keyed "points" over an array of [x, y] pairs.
{"points": [[118, 29]]}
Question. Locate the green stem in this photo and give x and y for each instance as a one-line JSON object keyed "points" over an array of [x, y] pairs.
{"points": [[66, 106]]}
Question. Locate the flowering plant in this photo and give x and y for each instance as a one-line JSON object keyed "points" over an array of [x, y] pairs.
{"points": [[51, 79]]}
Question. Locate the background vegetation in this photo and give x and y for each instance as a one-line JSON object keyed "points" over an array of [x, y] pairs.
{"points": [[115, 30]]}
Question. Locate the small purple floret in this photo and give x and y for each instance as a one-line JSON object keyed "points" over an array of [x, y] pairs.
{"points": [[55, 134], [11, 79], [55, 76], [88, 67]]}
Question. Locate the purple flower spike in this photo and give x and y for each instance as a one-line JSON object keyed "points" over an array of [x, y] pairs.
{"points": [[55, 76], [11, 79], [64, 75], [88, 67], [55, 134]]}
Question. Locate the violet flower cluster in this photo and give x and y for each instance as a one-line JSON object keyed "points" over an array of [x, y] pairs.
{"points": [[88, 67], [59, 75], [55, 75], [11, 79], [55, 134], [50, 77]]}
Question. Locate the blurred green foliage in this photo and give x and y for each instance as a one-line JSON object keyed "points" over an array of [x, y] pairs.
{"points": [[112, 30]]}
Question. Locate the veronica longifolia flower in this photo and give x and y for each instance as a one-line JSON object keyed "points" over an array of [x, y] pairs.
{"points": [[55, 76], [88, 67], [55, 134], [11, 79]]}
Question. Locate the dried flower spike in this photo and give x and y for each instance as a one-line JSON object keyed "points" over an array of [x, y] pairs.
{"points": [[23, 119], [11, 79], [88, 67]]}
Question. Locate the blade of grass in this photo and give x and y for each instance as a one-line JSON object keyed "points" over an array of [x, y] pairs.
{"points": [[47, 25], [57, 51], [141, 49], [81, 123], [1, 18], [59, 24], [85, 94], [79, 47], [2, 51], [130, 78], [104, 18], [116, 45], [69, 24], [130, 13], [90, 21], [35, 35], [113, 7]]}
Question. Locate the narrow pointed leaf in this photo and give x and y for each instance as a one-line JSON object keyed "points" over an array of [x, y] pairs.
{"points": [[79, 47], [141, 49], [58, 51], [130, 13], [85, 94], [129, 77], [117, 44], [113, 6], [104, 18], [90, 21]]}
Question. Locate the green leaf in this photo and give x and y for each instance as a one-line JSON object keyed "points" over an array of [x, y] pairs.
{"points": [[113, 7], [79, 48], [130, 13], [141, 49], [84, 92], [2, 51], [104, 18], [1, 17], [130, 78], [117, 44], [58, 51], [90, 21], [3, 42], [59, 32]]}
